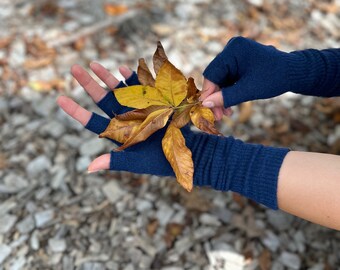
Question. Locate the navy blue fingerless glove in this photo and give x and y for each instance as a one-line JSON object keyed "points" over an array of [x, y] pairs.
{"points": [[246, 70], [223, 163]]}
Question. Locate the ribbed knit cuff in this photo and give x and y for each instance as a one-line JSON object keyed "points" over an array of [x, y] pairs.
{"points": [[313, 72], [225, 163]]}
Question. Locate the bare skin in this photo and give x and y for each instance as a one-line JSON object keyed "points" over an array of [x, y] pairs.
{"points": [[308, 184]]}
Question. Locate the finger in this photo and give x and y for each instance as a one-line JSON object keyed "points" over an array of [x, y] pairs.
{"points": [[208, 88], [218, 112], [214, 100], [227, 111], [125, 71], [95, 91], [103, 74], [100, 163], [74, 110], [90, 121], [131, 77]]}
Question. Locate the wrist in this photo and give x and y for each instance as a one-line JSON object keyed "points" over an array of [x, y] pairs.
{"points": [[225, 163]]}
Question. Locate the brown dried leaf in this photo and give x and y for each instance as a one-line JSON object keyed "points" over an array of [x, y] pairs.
{"points": [[181, 117], [152, 227], [115, 9], [38, 62], [265, 260], [139, 114], [144, 75], [119, 130], [155, 121], [171, 83], [179, 156], [193, 92], [203, 118], [5, 42], [159, 57]]}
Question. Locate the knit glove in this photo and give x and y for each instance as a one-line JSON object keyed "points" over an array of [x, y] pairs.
{"points": [[223, 163], [246, 70]]}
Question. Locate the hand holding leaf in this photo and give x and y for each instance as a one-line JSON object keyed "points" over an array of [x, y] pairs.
{"points": [[169, 96]]}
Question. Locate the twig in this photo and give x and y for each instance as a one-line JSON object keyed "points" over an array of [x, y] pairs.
{"points": [[92, 29]]}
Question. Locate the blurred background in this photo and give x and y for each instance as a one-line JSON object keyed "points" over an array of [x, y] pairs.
{"points": [[55, 216]]}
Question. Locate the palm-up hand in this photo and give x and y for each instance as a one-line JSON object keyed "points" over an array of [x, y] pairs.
{"points": [[146, 157]]}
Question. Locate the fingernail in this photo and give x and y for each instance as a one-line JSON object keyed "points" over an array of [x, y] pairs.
{"points": [[92, 171], [208, 104]]}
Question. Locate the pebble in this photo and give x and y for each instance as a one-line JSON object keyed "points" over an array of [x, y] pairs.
{"points": [[82, 163], [112, 191], [34, 241], [143, 205], [7, 221], [164, 214], [290, 260], [26, 225], [17, 54], [92, 147], [279, 220], [208, 219], [57, 245], [43, 217], [53, 128], [271, 241], [38, 165], [5, 251]]}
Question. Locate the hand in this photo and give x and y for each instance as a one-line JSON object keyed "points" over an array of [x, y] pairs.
{"points": [[245, 70]]}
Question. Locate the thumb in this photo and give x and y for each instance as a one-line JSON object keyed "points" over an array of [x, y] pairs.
{"points": [[214, 100]]}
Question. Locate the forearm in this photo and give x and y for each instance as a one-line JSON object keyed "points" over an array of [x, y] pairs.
{"points": [[309, 187]]}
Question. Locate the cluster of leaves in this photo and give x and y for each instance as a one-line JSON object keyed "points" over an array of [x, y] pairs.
{"points": [[156, 100]]}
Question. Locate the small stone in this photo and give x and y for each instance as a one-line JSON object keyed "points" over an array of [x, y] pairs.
{"points": [[143, 205], [223, 214], [44, 107], [34, 241], [26, 225], [257, 3], [229, 259], [279, 220], [82, 163], [18, 263], [164, 214], [203, 233], [5, 251], [17, 54], [290, 260], [208, 219], [7, 221], [19, 119], [38, 165], [53, 128], [57, 245], [92, 266], [271, 241], [112, 191], [43, 217], [92, 147], [72, 140]]}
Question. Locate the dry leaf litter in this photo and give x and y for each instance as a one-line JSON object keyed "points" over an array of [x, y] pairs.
{"points": [[55, 216]]}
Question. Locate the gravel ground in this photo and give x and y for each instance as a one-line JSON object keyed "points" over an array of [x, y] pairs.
{"points": [[55, 216]]}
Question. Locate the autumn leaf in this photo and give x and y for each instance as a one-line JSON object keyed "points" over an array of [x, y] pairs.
{"points": [[193, 92], [155, 101], [139, 114], [171, 83], [203, 118], [119, 130], [159, 57], [140, 96], [155, 121], [144, 75], [179, 156], [182, 116]]}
